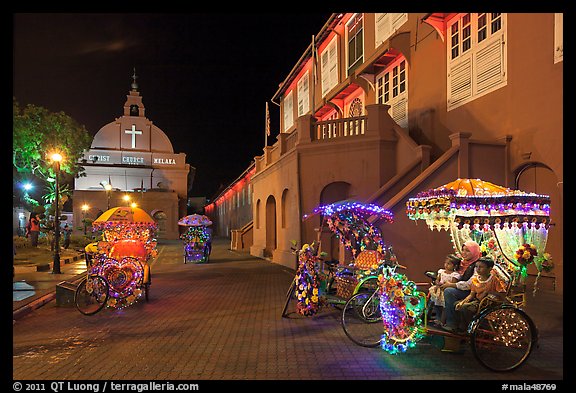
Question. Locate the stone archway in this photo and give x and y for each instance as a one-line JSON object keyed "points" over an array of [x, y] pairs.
{"points": [[540, 179], [271, 235], [333, 192]]}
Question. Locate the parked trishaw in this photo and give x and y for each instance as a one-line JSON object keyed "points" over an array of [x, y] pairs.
{"points": [[511, 227], [319, 282], [197, 238], [118, 271]]}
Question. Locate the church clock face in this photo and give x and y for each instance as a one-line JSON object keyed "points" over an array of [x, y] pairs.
{"points": [[355, 108]]}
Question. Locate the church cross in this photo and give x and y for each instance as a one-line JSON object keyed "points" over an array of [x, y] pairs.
{"points": [[133, 131]]}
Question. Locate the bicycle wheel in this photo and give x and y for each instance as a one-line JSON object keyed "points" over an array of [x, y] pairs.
{"points": [[362, 320], [289, 296], [91, 295], [503, 338], [368, 285]]}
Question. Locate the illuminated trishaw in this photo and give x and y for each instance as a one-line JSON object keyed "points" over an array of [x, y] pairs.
{"points": [[197, 238], [119, 272], [511, 227]]}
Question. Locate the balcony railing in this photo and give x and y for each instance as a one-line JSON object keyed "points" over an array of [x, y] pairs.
{"points": [[340, 128]]}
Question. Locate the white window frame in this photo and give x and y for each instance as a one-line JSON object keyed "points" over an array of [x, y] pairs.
{"points": [[329, 66], [387, 24], [475, 68], [288, 106], [303, 90], [558, 37], [392, 89]]}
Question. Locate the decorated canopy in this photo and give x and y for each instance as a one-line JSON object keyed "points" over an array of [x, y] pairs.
{"points": [[125, 214], [508, 224], [354, 223], [475, 198], [121, 223], [195, 220]]}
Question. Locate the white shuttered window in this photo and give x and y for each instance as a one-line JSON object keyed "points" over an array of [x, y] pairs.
{"points": [[303, 95], [392, 89], [387, 24], [288, 111], [476, 50], [329, 67]]}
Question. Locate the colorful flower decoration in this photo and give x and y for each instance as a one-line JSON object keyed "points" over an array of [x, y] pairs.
{"points": [[196, 236], [354, 224], [402, 306], [525, 254], [307, 282]]}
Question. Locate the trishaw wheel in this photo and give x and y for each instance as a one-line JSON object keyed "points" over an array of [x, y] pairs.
{"points": [[91, 295], [503, 338], [362, 320]]}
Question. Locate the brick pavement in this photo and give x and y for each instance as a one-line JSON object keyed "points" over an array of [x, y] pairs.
{"points": [[221, 321]]}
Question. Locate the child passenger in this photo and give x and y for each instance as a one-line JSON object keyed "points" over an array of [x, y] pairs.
{"points": [[446, 275], [482, 284]]}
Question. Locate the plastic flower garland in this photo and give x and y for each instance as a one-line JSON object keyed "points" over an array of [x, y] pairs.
{"points": [[402, 306], [307, 282]]}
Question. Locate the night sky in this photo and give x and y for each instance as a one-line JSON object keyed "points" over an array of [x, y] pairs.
{"points": [[204, 78]]}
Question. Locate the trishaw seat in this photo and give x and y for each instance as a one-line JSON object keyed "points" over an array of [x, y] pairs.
{"points": [[128, 248]]}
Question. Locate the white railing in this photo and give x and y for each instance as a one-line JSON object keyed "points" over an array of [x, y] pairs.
{"points": [[340, 128]]}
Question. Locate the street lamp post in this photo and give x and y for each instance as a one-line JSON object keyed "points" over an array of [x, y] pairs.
{"points": [[56, 266], [108, 187], [85, 207]]}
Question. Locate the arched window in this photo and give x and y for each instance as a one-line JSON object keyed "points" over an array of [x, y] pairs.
{"points": [[257, 214], [284, 208]]}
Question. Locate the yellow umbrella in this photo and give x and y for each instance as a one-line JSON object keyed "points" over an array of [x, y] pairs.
{"points": [[125, 214]]}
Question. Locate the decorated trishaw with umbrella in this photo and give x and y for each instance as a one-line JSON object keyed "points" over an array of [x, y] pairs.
{"points": [[118, 274], [511, 227], [197, 238]]}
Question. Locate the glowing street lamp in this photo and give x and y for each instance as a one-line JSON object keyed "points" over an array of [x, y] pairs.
{"points": [[107, 187], [56, 158], [133, 205], [85, 208], [126, 198]]}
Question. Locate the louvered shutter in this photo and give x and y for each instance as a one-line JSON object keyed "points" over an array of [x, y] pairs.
{"points": [[325, 72], [303, 95], [382, 28], [399, 111], [489, 65], [459, 81], [333, 61], [397, 21], [288, 112]]}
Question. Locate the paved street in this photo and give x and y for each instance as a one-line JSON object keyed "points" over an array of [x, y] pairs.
{"points": [[221, 321]]}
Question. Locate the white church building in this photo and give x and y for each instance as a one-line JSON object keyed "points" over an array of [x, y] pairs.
{"points": [[131, 160]]}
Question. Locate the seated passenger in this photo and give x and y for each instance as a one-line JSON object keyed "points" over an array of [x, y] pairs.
{"points": [[447, 275]]}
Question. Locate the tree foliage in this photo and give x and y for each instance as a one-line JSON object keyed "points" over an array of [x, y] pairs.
{"points": [[37, 133]]}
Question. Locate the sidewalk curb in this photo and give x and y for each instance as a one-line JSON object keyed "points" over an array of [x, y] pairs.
{"points": [[37, 303], [45, 267]]}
